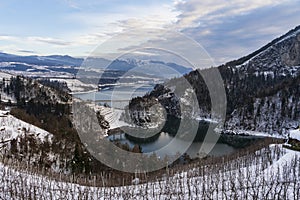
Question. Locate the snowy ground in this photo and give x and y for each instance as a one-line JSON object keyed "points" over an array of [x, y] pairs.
{"points": [[295, 134], [113, 116], [5, 75], [12, 128], [6, 98], [76, 86], [251, 133]]}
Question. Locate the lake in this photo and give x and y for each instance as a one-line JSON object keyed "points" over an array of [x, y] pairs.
{"points": [[116, 96], [176, 134], [168, 132], [164, 138]]}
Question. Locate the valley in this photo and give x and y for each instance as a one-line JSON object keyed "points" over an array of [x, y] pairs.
{"points": [[255, 150]]}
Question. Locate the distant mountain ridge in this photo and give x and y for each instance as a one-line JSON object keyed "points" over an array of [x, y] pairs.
{"points": [[53, 60], [64, 65]]}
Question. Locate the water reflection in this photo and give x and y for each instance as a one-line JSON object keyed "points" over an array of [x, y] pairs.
{"points": [[168, 134]]}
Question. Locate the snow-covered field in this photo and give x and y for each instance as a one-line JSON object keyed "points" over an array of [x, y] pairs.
{"points": [[32, 70], [76, 86]]}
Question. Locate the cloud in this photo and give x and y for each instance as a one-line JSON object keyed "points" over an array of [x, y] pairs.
{"points": [[126, 17], [35, 45], [7, 38], [92, 23], [97, 28], [232, 29], [196, 13], [49, 40], [72, 4], [26, 51], [228, 29]]}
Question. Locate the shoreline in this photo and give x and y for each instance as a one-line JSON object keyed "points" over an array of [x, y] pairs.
{"points": [[85, 92]]}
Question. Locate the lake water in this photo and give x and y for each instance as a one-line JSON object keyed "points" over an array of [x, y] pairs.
{"points": [[164, 138], [166, 135], [176, 135], [117, 96]]}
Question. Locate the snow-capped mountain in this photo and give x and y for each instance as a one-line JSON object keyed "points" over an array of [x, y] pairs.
{"points": [[165, 68], [280, 59], [268, 83]]}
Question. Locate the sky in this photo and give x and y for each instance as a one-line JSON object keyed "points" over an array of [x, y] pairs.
{"points": [[226, 29]]}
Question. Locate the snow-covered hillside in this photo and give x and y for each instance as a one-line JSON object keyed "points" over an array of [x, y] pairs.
{"points": [[13, 128], [269, 115], [277, 177], [112, 116], [24, 142]]}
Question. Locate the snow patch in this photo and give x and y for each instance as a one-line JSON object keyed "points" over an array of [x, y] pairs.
{"points": [[12, 128], [295, 134]]}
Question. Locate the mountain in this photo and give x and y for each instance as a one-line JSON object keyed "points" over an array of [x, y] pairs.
{"points": [[67, 66], [150, 67], [65, 60], [288, 35], [262, 90], [178, 68], [54, 60]]}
